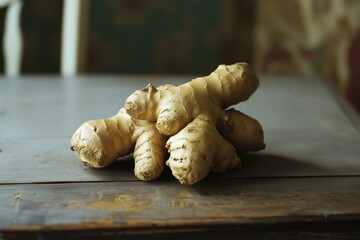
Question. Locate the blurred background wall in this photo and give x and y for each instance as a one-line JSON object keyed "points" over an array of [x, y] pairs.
{"points": [[310, 37], [278, 37], [143, 36]]}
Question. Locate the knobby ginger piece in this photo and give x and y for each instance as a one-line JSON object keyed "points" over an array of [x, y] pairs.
{"points": [[99, 142], [173, 107], [192, 120], [197, 149]]}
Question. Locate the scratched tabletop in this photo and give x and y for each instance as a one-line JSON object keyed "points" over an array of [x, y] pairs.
{"points": [[305, 184]]}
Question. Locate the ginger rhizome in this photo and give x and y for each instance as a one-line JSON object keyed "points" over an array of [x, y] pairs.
{"points": [[197, 149], [173, 107], [99, 142], [192, 121]]}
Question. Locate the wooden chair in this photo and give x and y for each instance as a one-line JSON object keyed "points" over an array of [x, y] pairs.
{"points": [[73, 40], [12, 42], [74, 32]]}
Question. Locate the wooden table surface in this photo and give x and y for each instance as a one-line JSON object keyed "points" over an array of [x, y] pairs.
{"points": [[306, 184]]}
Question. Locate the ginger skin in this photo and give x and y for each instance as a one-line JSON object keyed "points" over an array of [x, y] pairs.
{"points": [[243, 132], [203, 134], [99, 142], [197, 149], [172, 108], [176, 109]]}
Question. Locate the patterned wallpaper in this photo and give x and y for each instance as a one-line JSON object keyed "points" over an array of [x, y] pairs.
{"points": [[311, 37]]}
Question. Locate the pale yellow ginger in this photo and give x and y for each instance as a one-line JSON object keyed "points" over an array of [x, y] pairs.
{"points": [[203, 135], [173, 107], [243, 132], [99, 142], [197, 149]]}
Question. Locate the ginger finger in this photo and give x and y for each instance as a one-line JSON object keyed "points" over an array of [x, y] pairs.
{"points": [[174, 107], [98, 143], [197, 149]]}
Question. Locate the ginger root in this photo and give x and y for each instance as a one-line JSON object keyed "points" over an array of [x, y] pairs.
{"points": [[99, 142], [197, 149], [174, 107], [191, 120]]}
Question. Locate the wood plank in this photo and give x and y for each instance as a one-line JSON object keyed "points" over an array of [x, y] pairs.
{"points": [[287, 232], [54, 106], [248, 204], [50, 160], [306, 132]]}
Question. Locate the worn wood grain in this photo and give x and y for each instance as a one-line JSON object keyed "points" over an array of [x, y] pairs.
{"points": [[163, 204], [45, 193], [50, 160], [247, 205]]}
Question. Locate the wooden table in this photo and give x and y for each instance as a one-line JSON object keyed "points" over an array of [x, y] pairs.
{"points": [[306, 184]]}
